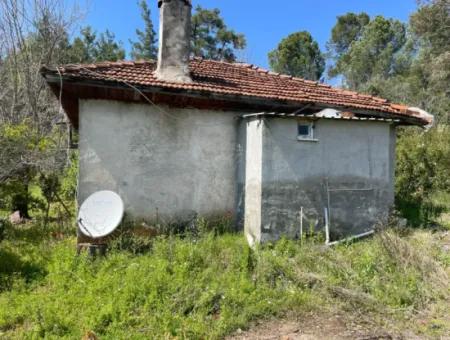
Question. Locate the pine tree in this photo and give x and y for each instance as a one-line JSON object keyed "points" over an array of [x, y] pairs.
{"points": [[145, 48], [298, 55]]}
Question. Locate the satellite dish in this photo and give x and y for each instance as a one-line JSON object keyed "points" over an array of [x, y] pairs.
{"points": [[100, 214]]}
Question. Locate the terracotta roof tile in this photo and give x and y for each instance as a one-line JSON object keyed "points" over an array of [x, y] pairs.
{"points": [[233, 79]]}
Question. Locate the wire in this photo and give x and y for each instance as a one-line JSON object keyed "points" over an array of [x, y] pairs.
{"points": [[238, 154], [159, 108]]}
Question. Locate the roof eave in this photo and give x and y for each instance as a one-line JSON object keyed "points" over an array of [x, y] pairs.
{"points": [[53, 77]]}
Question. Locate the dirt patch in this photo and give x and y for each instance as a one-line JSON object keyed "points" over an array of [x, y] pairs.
{"points": [[316, 326]]}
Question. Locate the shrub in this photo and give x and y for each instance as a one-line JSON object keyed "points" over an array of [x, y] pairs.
{"points": [[422, 171]]}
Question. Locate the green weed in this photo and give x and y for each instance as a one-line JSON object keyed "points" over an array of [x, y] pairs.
{"points": [[208, 285]]}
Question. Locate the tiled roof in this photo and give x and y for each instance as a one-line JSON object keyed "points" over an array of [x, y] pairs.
{"points": [[235, 79]]}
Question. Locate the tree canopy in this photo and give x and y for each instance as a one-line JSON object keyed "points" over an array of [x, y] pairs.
{"points": [[212, 39], [92, 48], [348, 29], [365, 48], [298, 55]]}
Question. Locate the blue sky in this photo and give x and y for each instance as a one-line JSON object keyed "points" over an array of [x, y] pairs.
{"points": [[264, 22]]}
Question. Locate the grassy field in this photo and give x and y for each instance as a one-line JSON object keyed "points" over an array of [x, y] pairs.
{"points": [[210, 285]]}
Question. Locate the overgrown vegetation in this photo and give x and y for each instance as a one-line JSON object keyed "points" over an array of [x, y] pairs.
{"points": [[422, 174], [209, 285]]}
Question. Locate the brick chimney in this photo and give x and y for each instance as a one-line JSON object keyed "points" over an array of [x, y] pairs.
{"points": [[174, 40]]}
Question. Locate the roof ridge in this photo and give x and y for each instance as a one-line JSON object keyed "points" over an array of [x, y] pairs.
{"points": [[105, 64], [262, 70]]}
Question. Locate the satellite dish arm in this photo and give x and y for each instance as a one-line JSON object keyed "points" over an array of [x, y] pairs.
{"points": [[80, 223]]}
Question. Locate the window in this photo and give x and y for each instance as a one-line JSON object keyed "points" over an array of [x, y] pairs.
{"points": [[305, 131]]}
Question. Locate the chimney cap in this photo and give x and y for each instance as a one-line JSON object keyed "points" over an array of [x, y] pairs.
{"points": [[187, 2]]}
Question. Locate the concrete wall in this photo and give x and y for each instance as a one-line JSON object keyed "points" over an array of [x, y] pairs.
{"points": [[349, 169], [173, 166], [253, 180], [166, 167]]}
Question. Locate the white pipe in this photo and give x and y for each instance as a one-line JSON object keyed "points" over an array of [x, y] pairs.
{"points": [[350, 189], [367, 233], [327, 227], [328, 205], [301, 225]]}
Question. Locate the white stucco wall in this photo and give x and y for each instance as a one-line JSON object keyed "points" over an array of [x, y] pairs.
{"points": [[174, 165], [165, 166], [253, 180]]}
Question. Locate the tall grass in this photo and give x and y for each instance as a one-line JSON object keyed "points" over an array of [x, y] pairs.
{"points": [[206, 286]]}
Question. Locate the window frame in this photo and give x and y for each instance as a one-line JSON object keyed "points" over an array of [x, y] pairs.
{"points": [[310, 136]]}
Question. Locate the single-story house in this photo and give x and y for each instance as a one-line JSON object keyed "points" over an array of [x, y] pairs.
{"points": [[185, 137]]}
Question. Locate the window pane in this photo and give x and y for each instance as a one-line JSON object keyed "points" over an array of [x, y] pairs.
{"points": [[303, 130]]}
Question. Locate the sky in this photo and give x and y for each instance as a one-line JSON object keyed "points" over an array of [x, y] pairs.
{"points": [[263, 22]]}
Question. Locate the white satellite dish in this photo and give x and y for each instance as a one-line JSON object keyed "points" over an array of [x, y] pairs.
{"points": [[100, 214]]}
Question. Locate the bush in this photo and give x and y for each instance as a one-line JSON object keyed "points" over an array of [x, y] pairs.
{"points": [[422, 172]]}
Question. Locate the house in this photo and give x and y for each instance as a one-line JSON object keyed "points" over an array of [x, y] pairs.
{"points": [[182, 137]]}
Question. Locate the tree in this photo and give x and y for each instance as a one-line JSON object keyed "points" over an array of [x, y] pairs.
{"points": [[431, 24], [30, 141], [145, 48], [89, 48], [372, 54], [83, 47], [107, 49], [298, 55], [349, 28], [212, 39]]}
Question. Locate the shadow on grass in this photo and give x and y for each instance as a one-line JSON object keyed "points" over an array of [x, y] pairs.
{"points": [[13, 267], [421, 214], [23, 252]]}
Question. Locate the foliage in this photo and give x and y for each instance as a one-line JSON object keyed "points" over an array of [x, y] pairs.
{"points": [[298, 55], [405, 64], [4, 225], [25, 154], [349, 28], [431, 27], [30, 38], [208, 286], [423, 169], [145, 48], [83, 47], [32, 142], [372, 52], [92, 48], [432, 24], [107, 49], [212, 39]]}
